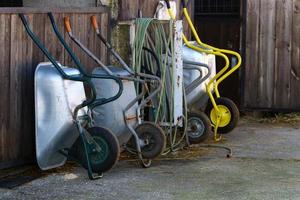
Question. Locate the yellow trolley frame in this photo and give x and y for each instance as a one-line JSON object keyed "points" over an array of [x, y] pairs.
{"points": [[218, 116]]}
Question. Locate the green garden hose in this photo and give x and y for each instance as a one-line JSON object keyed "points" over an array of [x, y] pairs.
{"points": [[152, 34]]}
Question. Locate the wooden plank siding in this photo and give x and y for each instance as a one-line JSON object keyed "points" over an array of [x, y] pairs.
{"points": [[295, 67], [128, 9], [272, 68], [19, 58]]}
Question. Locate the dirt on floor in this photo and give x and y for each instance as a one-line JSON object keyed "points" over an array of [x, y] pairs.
{"points": [[265, 165]]}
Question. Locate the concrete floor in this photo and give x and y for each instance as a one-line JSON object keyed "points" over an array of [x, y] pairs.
{"points": [[266, 165]]}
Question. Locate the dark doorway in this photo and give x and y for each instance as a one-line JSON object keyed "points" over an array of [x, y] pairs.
{"points": [[11, 3], [219, 23]]}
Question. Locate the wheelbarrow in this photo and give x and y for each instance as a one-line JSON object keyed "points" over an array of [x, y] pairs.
{"points": [[125, 115], [63, 112]]}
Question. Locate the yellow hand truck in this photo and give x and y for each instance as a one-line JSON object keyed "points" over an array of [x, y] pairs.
{"points": [[223, 112]]}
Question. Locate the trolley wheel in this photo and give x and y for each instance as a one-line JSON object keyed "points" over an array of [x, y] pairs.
{"points": [[230, 115], [198, 127], [154, 139], [105, 159]]}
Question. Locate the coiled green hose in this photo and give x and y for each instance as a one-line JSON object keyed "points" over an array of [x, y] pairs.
{"points": [[152, 34]]}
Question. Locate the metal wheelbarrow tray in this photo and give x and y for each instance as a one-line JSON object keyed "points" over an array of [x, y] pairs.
{"points": [[199, 95], [60, 101], [111, 115], [55, 100]]}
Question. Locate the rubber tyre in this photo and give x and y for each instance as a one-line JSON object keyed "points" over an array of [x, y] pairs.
{"points": [[234, 112], [111, 144], [156, 137], [202, 120]]}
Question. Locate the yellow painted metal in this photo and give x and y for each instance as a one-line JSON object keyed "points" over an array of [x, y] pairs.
{"points": [[208, 51], [217, 137], [225, 113], [233, 53], [220, 116]]}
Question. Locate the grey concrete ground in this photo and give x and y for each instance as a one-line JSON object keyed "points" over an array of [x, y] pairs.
{"points": [[266, 165]]}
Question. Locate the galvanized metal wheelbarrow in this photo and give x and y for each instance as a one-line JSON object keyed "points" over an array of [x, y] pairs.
{"points": [[63, 112], [125, 115]]}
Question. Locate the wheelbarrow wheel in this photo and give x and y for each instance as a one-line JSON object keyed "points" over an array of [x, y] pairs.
{"points": [[153, 137], [230, 115], [198, 127], [107, 157]]}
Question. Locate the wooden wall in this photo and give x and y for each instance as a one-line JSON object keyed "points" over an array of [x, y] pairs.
{"points": [[18, 60], [128, 9], [272, 74]]}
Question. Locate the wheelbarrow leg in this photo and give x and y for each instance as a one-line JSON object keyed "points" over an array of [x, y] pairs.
{"points": [[92, 175]]}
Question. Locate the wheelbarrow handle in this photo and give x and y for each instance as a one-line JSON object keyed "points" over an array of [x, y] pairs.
{"points": [[37, 41], [183, 3], [109, 46], [68, 49], [96, 28], [67, 24], [168, 4], [95, 23], [92, 101]]}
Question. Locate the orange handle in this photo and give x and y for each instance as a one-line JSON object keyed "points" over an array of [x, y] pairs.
{"points": [[67, 24], [94, 22]]}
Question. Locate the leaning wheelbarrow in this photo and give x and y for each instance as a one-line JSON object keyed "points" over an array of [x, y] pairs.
{"points": [[125, 115], [63, 113]]}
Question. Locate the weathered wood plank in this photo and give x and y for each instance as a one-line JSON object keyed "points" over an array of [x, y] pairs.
{"points": [[278, 56], [282, 87], [28, 10], [252, 51], [266, 56], [103, 48], [27, 114], [149, 7], [17, 64], [4, 82], [295, 69], [128, 9]]}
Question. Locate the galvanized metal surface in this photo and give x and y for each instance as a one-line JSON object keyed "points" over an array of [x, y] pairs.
{"points": [[55, 100], [198, 97], [111, 115]]}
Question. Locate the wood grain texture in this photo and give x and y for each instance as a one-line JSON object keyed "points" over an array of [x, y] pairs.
{"points": [[272, 55], [28, 10], [295, 68], [5, 84], [283, 53], [128, 9], [19, 58], [252, 52], [266, 56]]}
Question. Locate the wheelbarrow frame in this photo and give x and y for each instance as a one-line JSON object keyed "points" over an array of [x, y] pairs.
{"points": [[220, 115], [83, 77], [140, 78]]}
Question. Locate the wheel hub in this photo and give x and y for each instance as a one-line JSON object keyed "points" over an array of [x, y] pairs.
{"points": [[196, 127], [99, 156], [223, 115]]}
